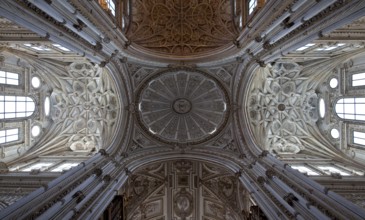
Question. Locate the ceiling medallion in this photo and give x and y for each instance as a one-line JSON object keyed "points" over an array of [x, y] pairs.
{"points": [[182, 106]]}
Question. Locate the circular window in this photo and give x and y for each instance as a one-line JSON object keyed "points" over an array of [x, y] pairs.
{"points": [[36, 82], [335, 133], [333, 83], [36, 130], [322, 108], [47, 106]]}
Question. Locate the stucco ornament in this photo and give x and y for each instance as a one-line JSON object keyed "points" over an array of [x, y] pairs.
{"points": [[85, 107], [181, 28], [182, 106], [281, 107]]}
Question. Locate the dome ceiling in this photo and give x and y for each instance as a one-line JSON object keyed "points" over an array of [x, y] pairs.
{"points": [[182, 106], [181, 28]]}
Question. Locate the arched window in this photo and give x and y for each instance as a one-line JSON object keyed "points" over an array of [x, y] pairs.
{"points": [[16, 107], [351, 108]]}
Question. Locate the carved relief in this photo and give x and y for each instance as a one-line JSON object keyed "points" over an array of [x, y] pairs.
{"points": [[225, 141], [182, 106], [183, 204], [140, 141], [85, 106], [139, 73], [224, 72], [281, 107], [181, 27], [356, 198], [187, 186]]}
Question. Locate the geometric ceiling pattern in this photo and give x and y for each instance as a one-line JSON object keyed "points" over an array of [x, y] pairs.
{"points": [[281, 107], [181, 28], [182, 106], [235, 162]]}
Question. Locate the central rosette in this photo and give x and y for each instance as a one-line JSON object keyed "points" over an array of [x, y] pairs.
{"points": [[182, 106]]}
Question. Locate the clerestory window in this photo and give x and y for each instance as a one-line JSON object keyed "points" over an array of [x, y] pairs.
{"points": [[252, 4], [358, 79], [304, 169], [108, 5], [111, 6], [351, 108], [330, 48], [305, 47], [9, 135], [330, 169], [16, 107], [37, 47], [42, 166], [359, 138], [64, 166], [9, 78]]}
